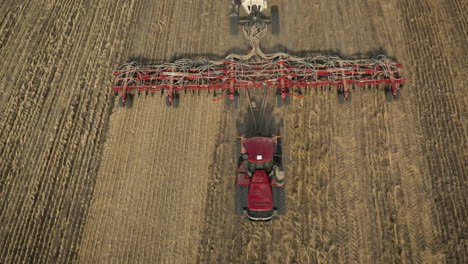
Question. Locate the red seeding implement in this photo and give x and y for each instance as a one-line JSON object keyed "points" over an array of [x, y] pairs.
{"points": [[228, 78]]}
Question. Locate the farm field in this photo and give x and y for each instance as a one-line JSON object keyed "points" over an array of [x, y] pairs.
{"points": [[84, 181]]}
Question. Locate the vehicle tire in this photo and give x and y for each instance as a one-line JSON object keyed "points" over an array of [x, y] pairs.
{"points": [[241, 197], [340, 97], [227, 102], [168, 103], [129, 101], [279, 153], [389, 95], [350, 97], [234, 25], [275, 20], [279, 101], [287, 100], [279, 200], [175, 100], [398, 95], [236, 101], [121, 104], [238, 149]]}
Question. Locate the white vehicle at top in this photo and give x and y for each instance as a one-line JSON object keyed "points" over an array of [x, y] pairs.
{"points": [[255, 10], [248, 4]]}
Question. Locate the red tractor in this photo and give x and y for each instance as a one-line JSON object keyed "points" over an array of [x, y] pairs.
{"points": [[260, 190]]}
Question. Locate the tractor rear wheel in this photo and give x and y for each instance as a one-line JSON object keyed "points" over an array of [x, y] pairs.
{"points": [[241, 197], [279, 200], [275, 20], [234, 25]]}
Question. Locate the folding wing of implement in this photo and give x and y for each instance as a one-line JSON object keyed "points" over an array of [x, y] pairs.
{"points": [[228, 78]]}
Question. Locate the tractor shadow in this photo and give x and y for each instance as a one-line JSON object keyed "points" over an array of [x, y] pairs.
{"points": [[278, 48]]}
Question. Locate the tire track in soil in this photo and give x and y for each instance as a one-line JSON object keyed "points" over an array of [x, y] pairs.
{"points": [[61, 151], [24, 227], [169, 220], [60, 132]]}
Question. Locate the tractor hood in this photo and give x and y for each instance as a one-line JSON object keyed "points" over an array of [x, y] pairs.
{"points": [[259, 149], [260, 194]]}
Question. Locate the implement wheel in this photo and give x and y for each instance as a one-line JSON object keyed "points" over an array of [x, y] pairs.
{"points": [[121, 104], [341, 97], [398, 95], [227, 102], [175, 101], [389, 95], [237, 157], [129, 101], [275, 20], [279, 100], [349, 97], [236, 101]]}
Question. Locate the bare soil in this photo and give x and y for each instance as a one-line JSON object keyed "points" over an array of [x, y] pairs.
{"points": [[82, 180]]}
